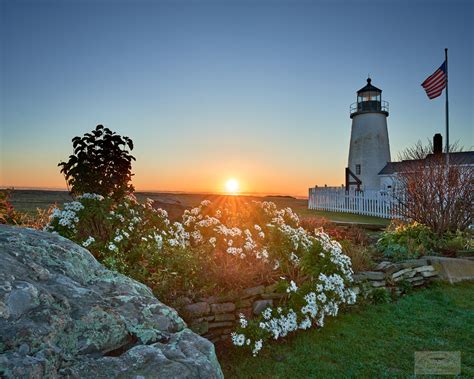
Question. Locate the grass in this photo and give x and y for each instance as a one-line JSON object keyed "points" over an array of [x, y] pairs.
{"points": [[376, 341], [175, 203]]}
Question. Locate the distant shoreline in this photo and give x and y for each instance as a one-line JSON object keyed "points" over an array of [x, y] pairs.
{"points": [[255, 194]]}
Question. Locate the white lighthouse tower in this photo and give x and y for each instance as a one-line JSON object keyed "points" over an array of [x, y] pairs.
{"points": [[369, 149]]}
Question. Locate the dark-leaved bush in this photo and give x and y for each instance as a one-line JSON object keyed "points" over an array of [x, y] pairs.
{"points": [[101, 164]]}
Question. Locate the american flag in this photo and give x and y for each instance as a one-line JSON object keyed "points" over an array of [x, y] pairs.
{"points": [[436, 82]]}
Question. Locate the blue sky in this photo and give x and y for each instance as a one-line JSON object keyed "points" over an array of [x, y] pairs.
{"points": [[257, 90]]}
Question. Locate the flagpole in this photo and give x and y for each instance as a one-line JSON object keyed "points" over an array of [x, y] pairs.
{"points": [[447, 108]]}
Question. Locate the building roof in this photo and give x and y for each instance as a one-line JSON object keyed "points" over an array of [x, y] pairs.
{"points": [[369, 87], [459, 158]]}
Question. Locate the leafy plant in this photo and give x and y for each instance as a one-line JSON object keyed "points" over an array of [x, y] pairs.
{"points": [[8, 215], [407, 241], [380, 296], [216, 249], [362, 257], [100, 164]]}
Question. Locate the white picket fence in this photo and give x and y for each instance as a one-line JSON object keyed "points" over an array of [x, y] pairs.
{"points": [[370, 203]]}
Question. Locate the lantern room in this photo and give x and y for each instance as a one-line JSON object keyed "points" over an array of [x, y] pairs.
{"points": [[369, 99]]}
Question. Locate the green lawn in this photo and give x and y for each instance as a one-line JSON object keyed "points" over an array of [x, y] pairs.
{"points": [[375, 341]]}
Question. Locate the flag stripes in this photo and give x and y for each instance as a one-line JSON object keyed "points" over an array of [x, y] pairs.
{"points": [[436, 82]]}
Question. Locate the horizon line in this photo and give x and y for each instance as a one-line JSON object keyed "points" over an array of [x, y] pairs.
{"points": [[178, 192]]}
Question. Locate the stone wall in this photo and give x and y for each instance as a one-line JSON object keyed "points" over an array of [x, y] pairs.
{"points": [[216, 317], [394, 276]]}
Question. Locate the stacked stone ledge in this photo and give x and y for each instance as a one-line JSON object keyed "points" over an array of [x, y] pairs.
{"points": [[390, 276], [216, 317]]}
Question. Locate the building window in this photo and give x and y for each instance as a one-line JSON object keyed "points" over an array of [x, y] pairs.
{"points": [[357, 169]]}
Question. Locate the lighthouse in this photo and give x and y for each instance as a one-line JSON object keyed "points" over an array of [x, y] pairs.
{"points": [[369, 149]]}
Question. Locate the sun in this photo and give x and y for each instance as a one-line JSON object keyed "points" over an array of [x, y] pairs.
{"points": [[232, 186]]}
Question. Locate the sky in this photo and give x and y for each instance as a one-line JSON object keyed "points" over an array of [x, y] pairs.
{"points": [[208, 90]]}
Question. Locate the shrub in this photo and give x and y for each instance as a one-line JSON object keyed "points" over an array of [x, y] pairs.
{"points": [[354, 234], [134, 239], [8, 215], [407, 241], [459, 241], [216, 249], [361, 256], [432, 192], [328, 274], [100, 164], [380, 296]]}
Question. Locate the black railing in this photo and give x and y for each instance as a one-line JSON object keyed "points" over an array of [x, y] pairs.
{"points": [[369, 106]]}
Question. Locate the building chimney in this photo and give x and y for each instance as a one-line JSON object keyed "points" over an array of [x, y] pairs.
{"points": [[437, 144]]}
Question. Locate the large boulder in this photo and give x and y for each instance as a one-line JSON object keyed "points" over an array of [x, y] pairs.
{"points": [[63, 314]]}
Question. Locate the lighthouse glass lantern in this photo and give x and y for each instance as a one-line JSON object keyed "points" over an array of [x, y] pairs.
{"points": [[369, 98]]}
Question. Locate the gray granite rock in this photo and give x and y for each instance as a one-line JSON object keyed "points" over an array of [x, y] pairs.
{"points": [[260, 305], [63, 314]]}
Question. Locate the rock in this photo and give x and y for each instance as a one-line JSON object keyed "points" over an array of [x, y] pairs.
{"points": [[382, 265], [260, 305], [453, 270], [359, 277], [413, 263], [229, 298], [244, 303], [267, 296], [428, 274], [225, 317], [200, 327], [401, 273], [62, 314], [377, 283], [197, 309], [224, 324], [374, 275], [254, 291], [222, 308], [424, 268]]}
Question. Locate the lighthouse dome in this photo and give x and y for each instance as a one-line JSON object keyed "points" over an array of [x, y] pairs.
{"points": [[369, 99]]}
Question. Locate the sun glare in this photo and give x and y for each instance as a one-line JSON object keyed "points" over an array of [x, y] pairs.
{"points": [[232, 186]]}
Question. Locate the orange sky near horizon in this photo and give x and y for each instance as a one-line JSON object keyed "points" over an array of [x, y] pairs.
{"points": [[252, 177]]}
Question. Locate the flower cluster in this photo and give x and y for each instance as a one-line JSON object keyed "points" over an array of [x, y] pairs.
{"points": [[251, 240], [307, 306]]}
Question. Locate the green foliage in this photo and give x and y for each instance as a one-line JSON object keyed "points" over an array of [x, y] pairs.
{"points": [[459, 241], [134, 239], [100, 164], [405, 286], [407, 241], [8, 215], [380, 296], [361, 255]]}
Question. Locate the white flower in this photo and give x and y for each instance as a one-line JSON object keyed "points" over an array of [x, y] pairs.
{"points": [[243, 322], [292, 287], [267, 313], [238, 339], [88, 241], [257, 347]]}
